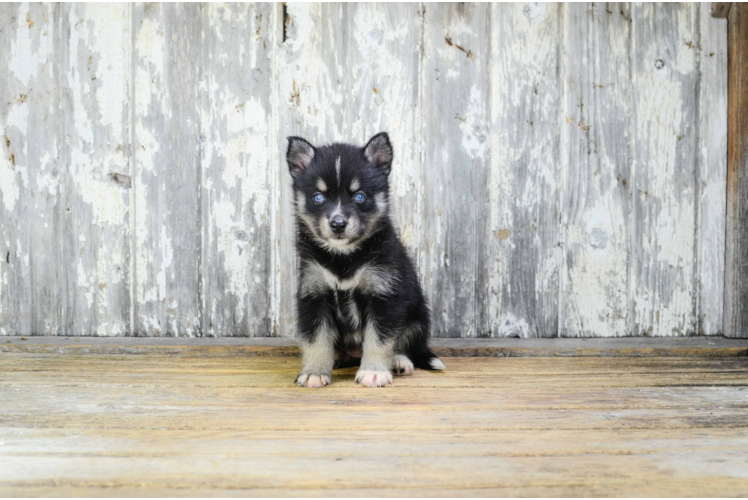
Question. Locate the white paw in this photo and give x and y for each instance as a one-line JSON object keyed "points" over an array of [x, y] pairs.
{"points": [[313, 381], [371, 378], [401, 365]]}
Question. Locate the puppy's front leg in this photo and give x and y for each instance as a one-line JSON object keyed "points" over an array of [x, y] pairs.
{"points": [[318, 336], [376, 359]]}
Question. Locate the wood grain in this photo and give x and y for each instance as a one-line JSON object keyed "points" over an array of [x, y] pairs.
{"points": [[665, 85], [736, 260], [721, 10], [559, 169], [237, 169], [31, 268], [144, 425], [457, 141], [166, 182], [712, 174], [596, 162], [95, 61], [522, 259], [696, 347]]}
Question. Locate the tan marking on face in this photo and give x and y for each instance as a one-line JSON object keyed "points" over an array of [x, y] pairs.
{"points": [[355, 185], [381, 202], [300, 203], [321, 186]]}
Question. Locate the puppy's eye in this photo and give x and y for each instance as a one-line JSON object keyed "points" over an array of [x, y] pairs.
{"points": [[360, 197], [319, 198]]}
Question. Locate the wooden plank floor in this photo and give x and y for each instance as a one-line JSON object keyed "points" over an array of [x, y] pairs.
{"points": [[151, 425]]}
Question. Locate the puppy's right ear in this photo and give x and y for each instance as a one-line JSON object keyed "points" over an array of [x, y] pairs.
{"points": [[299, 155]]}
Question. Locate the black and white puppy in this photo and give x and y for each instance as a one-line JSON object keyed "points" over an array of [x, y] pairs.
{"points": [[358, 294]]}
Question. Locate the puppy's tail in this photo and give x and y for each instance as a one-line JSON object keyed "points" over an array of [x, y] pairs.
{"points": [[426, 360]]}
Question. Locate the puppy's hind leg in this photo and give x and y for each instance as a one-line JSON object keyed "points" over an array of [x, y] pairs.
{"points": [[415, 343]]}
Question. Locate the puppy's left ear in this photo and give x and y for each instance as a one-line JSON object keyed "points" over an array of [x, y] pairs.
{"points": [[379, 152]]}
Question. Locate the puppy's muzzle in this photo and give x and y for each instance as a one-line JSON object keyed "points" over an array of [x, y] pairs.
{"points": [[338, 225]]}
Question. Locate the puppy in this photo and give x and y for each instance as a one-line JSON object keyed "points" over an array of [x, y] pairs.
{"points": [[358, 294]]}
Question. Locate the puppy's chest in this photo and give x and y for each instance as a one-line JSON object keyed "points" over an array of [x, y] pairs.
{"points": [[369, 279]]}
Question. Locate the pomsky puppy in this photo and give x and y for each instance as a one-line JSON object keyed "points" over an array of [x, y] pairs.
{"points": [[358, 293]]}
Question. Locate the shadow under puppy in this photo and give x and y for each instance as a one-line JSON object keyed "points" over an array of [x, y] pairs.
{"points": [[358, 294]]}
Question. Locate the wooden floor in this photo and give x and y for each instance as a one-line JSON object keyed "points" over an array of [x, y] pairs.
{"points": [[151, 425]]}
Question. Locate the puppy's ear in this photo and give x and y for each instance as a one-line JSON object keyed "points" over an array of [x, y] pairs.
{"points": [[299, 155], [379, 152]]}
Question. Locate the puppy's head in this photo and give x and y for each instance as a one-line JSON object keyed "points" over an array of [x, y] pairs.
{"points": [[341, 191]]}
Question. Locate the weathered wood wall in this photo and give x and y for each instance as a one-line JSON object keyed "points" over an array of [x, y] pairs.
{"points": [[736, 266], [560, 169]]}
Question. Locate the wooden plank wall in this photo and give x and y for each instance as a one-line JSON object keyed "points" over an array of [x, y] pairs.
{"points": [[560, 169], [736, 298]]}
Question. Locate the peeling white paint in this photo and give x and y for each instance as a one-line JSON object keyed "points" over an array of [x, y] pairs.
{"points": [[520, 222], [475, 132], [522, 229], [664, 257], [28, 52], [8, 186]]}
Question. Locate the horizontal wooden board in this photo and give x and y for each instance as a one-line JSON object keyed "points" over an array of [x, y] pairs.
{"points": [[626, 347], [147, 425]]}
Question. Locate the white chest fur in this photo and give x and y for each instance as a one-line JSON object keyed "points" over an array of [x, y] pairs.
{"points": [[369, 279]]}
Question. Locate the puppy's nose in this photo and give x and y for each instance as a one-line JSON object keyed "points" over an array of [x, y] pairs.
{"points": [[338, 225]]}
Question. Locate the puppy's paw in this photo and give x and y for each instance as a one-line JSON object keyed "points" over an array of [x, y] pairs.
{"points": [[371, 378], [401, 365], [312, 381]]}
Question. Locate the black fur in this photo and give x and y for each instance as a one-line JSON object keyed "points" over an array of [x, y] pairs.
{"points": [[399, 311]]}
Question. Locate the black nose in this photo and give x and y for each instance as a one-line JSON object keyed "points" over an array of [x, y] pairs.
{"points": [[338, 225]]}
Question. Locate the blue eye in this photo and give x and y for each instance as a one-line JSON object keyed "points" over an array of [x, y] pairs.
{"points": [[359, 198], [319, 198]]}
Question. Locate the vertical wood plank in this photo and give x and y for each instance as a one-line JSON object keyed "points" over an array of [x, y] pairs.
{"points": [[238, 169], [522, 229], [596, 161], [346, 72], [166, 216], [721, 10], [95, 78], [712, 172], [30, 263], [665, 82], [456, 135], [736, 265]]}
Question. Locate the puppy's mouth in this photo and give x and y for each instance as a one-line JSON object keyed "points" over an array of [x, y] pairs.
{"points": [[341, 240]]}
